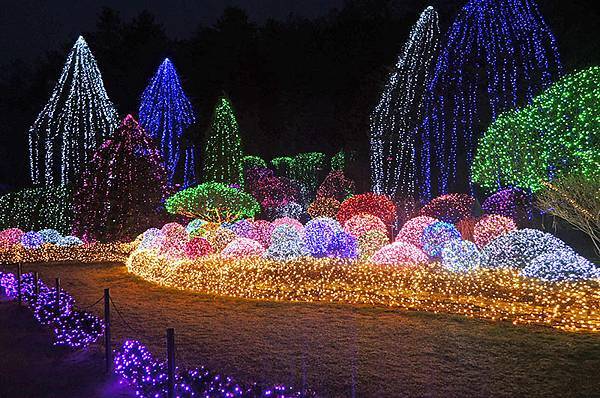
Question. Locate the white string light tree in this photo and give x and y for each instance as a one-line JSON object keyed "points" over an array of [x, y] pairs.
{"points": [[395, 119], [78, 117]]}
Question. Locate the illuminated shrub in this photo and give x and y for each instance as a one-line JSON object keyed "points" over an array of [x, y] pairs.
{"points": [[32, 240], [460, 256], [33, 209], [436, 235], [242, 247], [297, 225], [370, 242], [286, 244], [270, 191], [450, 208], [378, 205], [10, 237], [213, 201], [197, 247], [336, 186], [399, 253], [466, 227], [194, 225], [319, 234], [243, 228], [412, 230], [174, 240], [152, 239], [262, 232], [253, 162], [324, 207], [517, 248], [206, 229], [220, 238], [510, 202], [51, 236], [69, 241], [561, 265], [291, 210], [343, 245], [359, 224], [489, 228]]}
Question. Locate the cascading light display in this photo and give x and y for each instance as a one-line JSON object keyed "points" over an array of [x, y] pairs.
{"points": [[398, 114], [165, 113], [75, 121], [498, 55], [496, 294]]}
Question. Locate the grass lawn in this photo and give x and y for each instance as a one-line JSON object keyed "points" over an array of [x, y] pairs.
{"points": [[339, 350]]}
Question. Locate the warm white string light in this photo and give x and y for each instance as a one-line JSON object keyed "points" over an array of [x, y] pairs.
{"points": [[398, 113], [75, 121]]}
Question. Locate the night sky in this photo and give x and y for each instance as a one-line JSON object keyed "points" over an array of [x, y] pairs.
{"points": [[28, 28]]}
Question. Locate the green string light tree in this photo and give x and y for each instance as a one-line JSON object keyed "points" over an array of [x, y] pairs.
{"points": [[223, 150], [78, 117], [558, 133]]}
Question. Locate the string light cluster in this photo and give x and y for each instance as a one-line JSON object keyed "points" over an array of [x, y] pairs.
{"points": [[242, 247], [286, 244], [223, 150], [336, 186], [399, 253], [10, 237], [498, 55], [270, 191], [360, 224], [291, 210], [554, 135], [297, 225], [32, 240], [197, 247], [436, 235], [75, 121], [123, 187], [338, 161], [370, 242], [136, 366], [561, 265], [509, 202], [68, 249], [412, 230], [253, 162], [460, 256], [71, 327], [323, 207], [450, 208], [490, 227], [398, 113], [319, 234], [380, 206], [165, 113], [496, 294], [213, 201], [37, 208]]}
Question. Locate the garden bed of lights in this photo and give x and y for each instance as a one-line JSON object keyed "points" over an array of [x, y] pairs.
{"points": [[86, 253], [496, 294]]}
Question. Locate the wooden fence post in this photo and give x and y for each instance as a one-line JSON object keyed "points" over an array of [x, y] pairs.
{"points": [[171, 362], [107, 339]]}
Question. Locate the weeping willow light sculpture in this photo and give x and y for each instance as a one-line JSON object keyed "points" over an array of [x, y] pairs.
{"points": [[398, 113], [498, 55], [78, 117]]}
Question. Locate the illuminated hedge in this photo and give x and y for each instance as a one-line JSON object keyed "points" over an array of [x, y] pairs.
{"points": [[490, 227], [34, 209], [286, 244], [213, 201], [290, 209], [10, 237], [460, 256], [558, 132], [370, 242], [399, 253], [450, 208], [219, 238], [319, 234], [297, 225], [436, 235], [252, 162], [378, 205], [561, 265], [197, 247], [242, 247], [360, 224], [323, 207]]}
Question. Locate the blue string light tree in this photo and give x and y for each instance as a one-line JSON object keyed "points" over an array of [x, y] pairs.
{"points": [[78, 117], [165, 113], [499, 54], [398, 113]]}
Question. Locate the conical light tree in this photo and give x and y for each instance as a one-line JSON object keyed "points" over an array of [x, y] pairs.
{"points": [[74, 122], [123, 187], [398, 113], [165, 112], [223, 150], [498, 55]]}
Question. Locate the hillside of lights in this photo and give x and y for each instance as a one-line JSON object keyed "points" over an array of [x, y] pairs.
{"points": [[296, 228]]}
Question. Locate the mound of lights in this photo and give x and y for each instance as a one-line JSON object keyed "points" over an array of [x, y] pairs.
{"points": [[69, 241], [336, 186], [50, 235], [343, 245], [262, 232], [370, 242], [399, 253], [436, 235], [220, 238], [197, 247], [297, 225], [10, 237], [460, 256], [561, 265], [450, 208], [32, 240], [290, 210], [490, 227], [135, 365], [517, 248], [370, 203], [509, 202], [286, 244], [360, 224], [319, 234], [194, 225], [242, 247], [323, 207], [412, 230], [496, 294]]}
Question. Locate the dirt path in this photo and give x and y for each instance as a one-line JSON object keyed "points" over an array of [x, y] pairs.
{"points": [[31, 367], [343, 351]]}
